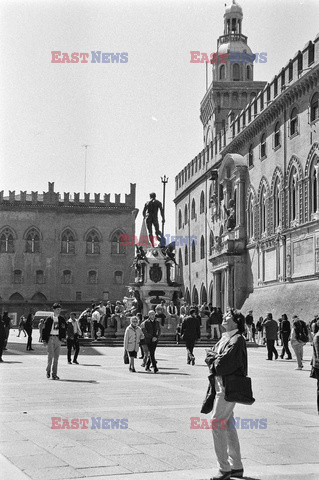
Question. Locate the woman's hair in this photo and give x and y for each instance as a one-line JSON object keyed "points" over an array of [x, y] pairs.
{"points": [[239, 319], [284, 316], [316, 327]]}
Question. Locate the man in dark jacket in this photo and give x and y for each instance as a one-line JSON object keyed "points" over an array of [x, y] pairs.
{"points": [[271, 329], [152, 330], [285, 330], [54, 331], [2, 337], [215, 322], [190, 332]]}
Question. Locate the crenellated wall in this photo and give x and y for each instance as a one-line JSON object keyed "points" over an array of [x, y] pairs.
{"points": [[52, 198]]}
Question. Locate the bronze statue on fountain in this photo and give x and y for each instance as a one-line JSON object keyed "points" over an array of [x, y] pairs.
{"points": [[150, 214]]}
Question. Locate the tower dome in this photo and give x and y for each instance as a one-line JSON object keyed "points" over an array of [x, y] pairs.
{"points": [[239, 66], [234, 8]]}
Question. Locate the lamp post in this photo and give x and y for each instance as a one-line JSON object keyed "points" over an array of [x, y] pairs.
{"points": [[164, 182]]}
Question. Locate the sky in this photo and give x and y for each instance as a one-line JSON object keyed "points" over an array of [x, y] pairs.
{"points": [[140, 118]]}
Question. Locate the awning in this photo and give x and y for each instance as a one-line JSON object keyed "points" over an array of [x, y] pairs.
{"points": [[296, 298]]}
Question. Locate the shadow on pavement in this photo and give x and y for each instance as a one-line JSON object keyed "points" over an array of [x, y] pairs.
{"points": [[160, 372], [6, 361], [90, 365], [79, 381]]}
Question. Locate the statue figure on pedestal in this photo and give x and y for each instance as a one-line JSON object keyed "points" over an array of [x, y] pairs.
{"points": [[150, 213], [231, 215], [140, 257]]}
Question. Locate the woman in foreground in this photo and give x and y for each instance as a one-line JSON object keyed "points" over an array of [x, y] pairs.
{"points": [[228, 359]]}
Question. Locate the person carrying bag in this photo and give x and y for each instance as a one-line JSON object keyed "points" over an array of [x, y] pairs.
{"points": [[228, 385]]}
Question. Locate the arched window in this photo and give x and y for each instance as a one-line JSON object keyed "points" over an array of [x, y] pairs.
{"points": [[193, 251], [202, 247], [193, 210], [314, 186], [117, 244], [203, 295], [250, 217], [263, 211], [277, 135], [263, 146], [251, 156], [236, 72], [314, 107], [211, 243], [66, 277], [293, 122], [39, 277], [92, 243], [17, 276], [67, 242], [6, 241], [33, 241], [195, 296], [248, 72], [311, 53], [186, 255], [293, 187], [210, 196], [277, 209], [202, 203], [92, 277], [222, 72], [118, 277], [180, 222], [186, 214]]}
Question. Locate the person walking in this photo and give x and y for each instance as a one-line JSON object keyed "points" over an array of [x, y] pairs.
{"points": [[151, 330], [249, 322], [41, 325], [227, 359], [21, 326], [28, 328], [190, 332], [214, 322], [299, 338], [7, 325], [259, 328], [271, 328], [54, 331], [2, 337], [132, 337], [73, 333], [315, 358], [285, 330]]}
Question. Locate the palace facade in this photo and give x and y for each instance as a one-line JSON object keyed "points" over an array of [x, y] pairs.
{"points": [[63, 249], [249, 201]]}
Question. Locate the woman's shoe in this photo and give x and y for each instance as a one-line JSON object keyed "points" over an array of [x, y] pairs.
{"points": [[133, 370], [239, 473]]}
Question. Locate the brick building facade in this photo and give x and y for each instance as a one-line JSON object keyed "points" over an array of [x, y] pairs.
{"points": [[265, 158], [63, 249]]}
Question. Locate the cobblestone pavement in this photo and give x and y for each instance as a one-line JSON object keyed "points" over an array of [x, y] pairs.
{"points": [[158, 443]]}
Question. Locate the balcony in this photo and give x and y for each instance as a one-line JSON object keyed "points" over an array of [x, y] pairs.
{"points": [[231, 37]]}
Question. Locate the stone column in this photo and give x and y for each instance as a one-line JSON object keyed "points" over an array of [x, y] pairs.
{"points": [[317, 180]]}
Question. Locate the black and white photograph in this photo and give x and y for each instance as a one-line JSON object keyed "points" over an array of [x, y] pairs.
{"points": [[159, 239]]}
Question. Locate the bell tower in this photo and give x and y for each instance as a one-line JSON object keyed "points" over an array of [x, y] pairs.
{"points": [[233, 83]]}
